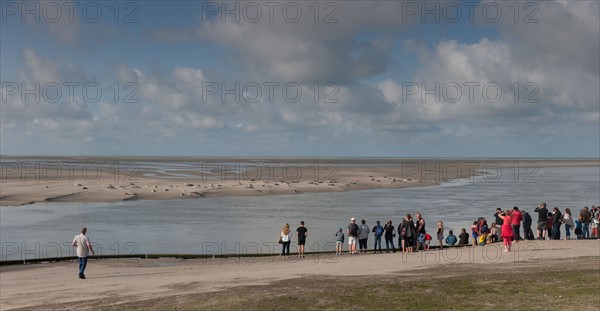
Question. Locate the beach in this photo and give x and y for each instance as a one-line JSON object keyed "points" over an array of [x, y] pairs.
{"points": [[169, 283], [28, 180]]}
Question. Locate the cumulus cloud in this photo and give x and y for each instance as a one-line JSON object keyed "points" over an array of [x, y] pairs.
{"points": [[351, 88]]}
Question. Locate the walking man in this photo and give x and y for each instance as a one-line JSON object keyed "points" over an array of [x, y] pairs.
{"points": [[83, 245]]}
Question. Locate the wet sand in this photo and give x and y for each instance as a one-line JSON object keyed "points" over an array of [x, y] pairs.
{"points": [[27, 180]]}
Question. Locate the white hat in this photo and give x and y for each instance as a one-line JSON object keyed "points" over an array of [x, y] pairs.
{"points": [[352, 219]]}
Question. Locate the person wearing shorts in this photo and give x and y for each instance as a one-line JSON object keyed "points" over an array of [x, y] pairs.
{"points": [[420, 231], [302, 232], [339, 242], [352, 236], [542, 220]]}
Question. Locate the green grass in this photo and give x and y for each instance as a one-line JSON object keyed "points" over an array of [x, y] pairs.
{"points": [[572, 284]]}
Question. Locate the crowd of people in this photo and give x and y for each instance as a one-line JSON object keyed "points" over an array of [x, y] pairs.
{"points": [[413, 236]]}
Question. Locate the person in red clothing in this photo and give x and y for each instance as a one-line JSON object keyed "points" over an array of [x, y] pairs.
{"points": [[517, 216], [506, 232]]}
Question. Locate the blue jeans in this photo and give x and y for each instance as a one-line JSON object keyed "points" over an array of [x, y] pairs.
{"points": [[377, 244], [586, 231], [387, 244], [82, 264], [567, 230], [285, 248]]}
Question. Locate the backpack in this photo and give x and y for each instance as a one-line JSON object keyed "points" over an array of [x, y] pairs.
{"points": [[379, 231], [354, 229], [403, 230]]}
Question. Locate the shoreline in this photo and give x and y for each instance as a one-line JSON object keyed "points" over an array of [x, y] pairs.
{"points": [[28, 180]]}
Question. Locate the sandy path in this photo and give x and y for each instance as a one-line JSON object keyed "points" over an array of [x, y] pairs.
{"points": [[119, 281]]}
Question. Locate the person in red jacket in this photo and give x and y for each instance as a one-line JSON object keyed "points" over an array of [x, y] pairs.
{"points": [[506, 232], [517, 217]]}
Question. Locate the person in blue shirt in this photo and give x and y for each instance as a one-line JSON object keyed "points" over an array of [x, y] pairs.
{"points": [[451, 238], [378, 231]]}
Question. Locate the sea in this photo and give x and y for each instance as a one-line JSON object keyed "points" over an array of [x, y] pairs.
{"points": [[252, 224]]}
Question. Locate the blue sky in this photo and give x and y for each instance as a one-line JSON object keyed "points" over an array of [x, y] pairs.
{"points": [[171, 52]]}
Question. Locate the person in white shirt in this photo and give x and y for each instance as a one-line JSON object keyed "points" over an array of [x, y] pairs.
{"points": [[83, 245]]}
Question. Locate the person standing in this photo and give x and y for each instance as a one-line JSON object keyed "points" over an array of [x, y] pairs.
{"points": [[568, 221], [499, 221], [389, 236], [420, 225], [301, 232], [363, 236], [506, 232], [286, 239], [352, 235], [440, 233], [517, 216], [556, 222], [408, 230], [83, 245], [378, 232], [339, 242], [475, 232], [586, 218], [542, 220], [527, 226]]}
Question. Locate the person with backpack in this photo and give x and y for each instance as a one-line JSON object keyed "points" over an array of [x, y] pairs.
{"points": [[407, 232], [363, 236], [352, 236], [378, 232], [389, 236]]}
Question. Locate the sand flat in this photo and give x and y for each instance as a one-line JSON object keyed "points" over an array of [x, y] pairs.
{"points": [[126, 280], [26, 180]]}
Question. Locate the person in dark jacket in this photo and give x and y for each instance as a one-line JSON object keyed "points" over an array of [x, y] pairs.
{"points": [[499, 221], [542, 221], [556, 222], [527, 226]]}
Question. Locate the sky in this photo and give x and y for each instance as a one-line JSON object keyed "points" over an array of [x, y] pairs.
{"points": [[301, 78]]}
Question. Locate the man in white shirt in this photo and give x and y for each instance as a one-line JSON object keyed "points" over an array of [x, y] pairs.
{"points": [[83, 245]]}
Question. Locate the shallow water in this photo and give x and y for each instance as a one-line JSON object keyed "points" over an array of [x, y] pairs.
{"points": [[252, 224]]}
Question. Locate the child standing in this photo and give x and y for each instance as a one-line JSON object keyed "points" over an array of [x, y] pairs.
{"points": [[579, 227], [339, 242], [440, 233], [474, 233]]}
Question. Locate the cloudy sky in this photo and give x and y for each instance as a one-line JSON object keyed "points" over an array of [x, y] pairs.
{"points": [[353, 78]]}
